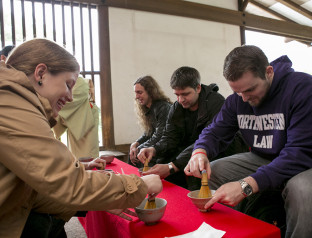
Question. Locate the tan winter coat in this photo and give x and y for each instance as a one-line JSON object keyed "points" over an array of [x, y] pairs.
{"points": [[34, 165]]}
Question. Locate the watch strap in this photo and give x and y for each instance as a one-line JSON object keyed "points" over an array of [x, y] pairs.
{"points": [[171, 169], [246, 188]]}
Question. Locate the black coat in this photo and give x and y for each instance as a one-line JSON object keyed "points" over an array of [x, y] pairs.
{"points": [[173, 145], [157, 113]]}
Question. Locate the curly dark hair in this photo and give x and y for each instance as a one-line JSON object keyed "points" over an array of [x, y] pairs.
{"points": [[156, 94]]}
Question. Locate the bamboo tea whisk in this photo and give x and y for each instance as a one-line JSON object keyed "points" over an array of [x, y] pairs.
{"points": [[204, 191], [150, 203], [145, 168]]}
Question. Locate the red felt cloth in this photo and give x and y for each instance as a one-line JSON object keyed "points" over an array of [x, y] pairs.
{"points": [[180, 217]]}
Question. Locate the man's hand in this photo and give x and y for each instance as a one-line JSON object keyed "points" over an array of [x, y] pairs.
{"points": [[198, 163], [122, 213], [146, 154], [133, 152], [231, 193], [160, 169]]}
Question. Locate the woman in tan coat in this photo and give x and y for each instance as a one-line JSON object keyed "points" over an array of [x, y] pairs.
{"points": [[38, 174]]}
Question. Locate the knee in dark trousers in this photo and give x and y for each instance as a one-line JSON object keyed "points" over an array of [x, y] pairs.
{"points": [[40, 225]]}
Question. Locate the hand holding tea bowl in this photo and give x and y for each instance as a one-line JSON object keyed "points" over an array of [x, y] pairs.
{"points": [[108, 158], [91, 163]]}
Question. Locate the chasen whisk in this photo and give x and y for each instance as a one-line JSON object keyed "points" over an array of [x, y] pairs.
{"points": [[204, 191], [150, 203], [145, 168]]}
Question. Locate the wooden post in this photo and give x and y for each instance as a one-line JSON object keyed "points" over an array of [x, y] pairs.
{"points": [[105, 80]]}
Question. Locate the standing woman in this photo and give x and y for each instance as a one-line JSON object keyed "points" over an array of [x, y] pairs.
{"points": [[38, 174]]}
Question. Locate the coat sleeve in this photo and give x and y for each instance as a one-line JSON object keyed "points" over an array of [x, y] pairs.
{"points": [[184, 157], [32, 154], [172, 135], [161, 114]]}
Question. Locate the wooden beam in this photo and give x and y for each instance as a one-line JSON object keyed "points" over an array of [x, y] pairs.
{"points": [[105, 80], [308, 43], [296, 8], [288, 29], [242, 4], [241, 7], [222, 15], [264, 8], [96, 2]]}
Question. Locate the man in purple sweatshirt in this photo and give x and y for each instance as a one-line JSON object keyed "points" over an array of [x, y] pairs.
{"points": [[272, 107]]}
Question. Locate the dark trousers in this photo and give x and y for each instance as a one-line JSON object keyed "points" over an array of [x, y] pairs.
{"points": [[40, 225]]}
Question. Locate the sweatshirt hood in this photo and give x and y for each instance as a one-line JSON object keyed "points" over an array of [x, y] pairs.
{"points": [[282, 66]]}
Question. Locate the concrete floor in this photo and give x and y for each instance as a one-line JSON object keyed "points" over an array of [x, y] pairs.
{"points": [[74, 229]]}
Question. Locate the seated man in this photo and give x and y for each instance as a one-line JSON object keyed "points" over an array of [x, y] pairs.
{"points": [[5, 52], [271, 106], [152, 107], [194, 109]]}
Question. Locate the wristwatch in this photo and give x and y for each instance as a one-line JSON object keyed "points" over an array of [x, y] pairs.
{"points": [[246, 188], [171, 169]]}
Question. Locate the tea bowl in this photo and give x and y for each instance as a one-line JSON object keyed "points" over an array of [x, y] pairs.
{"points": [[199, 202], [151, 216], [108, 158]]}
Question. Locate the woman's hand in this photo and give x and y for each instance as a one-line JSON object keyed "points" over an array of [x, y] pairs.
{"points": [[96, 163], [154, 184], [123, 213]]}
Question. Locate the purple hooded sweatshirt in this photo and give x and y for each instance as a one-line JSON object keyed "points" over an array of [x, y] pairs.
{"points": [[280, 129]]}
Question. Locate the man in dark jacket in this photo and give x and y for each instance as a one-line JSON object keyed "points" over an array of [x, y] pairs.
{"points": [[5, 52], [196, 106]]}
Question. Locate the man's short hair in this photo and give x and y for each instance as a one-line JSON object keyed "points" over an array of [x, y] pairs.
{"points": [[185, 77], [6, 50], [242, 59]]}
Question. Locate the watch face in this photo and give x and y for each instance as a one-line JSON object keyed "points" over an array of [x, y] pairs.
{"points": [[248, 190], [172, 171]]}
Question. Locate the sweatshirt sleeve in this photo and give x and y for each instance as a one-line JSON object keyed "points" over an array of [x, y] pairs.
{"points": [[216, 137]]}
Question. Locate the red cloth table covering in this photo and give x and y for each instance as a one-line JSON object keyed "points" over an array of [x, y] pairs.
{"points": [[180, 217]]}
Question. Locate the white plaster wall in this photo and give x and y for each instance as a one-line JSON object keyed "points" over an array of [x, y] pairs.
{"points": [[145, 43]]}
